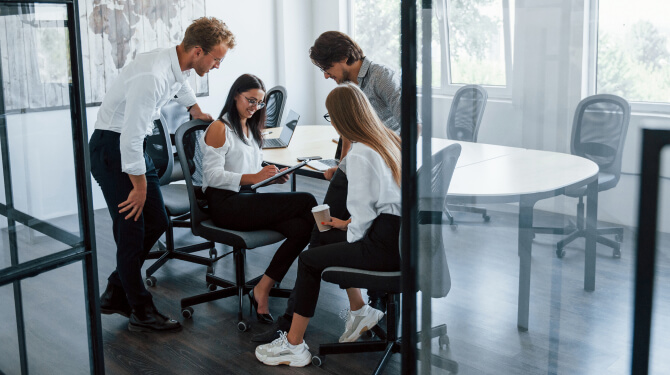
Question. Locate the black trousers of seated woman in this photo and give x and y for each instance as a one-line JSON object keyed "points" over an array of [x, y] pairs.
{"points": [[336, 198], [287, 213]]}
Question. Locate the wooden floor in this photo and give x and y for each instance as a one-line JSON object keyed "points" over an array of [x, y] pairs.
{"points": [[571, 331]]}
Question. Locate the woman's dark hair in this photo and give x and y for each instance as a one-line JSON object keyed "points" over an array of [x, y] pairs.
{"points": [[244, 83], [334, 46]]}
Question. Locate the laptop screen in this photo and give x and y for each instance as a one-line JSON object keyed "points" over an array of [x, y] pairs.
{"points": [[291, 122]]}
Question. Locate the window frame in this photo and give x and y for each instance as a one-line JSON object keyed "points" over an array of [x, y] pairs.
{"points": [[448, 88], [592, 20]]}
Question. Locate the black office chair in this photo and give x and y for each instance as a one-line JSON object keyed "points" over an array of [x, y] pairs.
{"points": [[598, 134], [435, 282], [187, 137], [276, 101], [465, 117], [175, 196]]}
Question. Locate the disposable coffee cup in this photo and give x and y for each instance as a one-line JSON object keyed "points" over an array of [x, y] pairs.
{"points": [[322, 214]]}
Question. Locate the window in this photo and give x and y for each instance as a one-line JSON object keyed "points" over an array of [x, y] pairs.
{"points": [[632, 56], [471, 40]]}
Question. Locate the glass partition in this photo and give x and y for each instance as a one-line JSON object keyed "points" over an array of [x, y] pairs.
{"points": [[48, 269]]}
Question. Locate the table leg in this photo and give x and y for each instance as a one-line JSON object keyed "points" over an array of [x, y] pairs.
{"points": [[293, 182], [525, 247], [591, 234]]}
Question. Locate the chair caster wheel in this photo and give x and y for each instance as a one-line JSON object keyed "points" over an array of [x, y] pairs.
{"points": [[618, 237], [453, 226], [560, 253], [616, 253], [210, 270], [533, 236], [318, 360], [187, 312], [443, 341], [151, 281], [369, 334], [487, 218], [451, 220], [211, 287], [212, 253], [243, 326]]}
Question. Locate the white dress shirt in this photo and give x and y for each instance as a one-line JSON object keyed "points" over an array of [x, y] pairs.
{"points": [[135, 98], [223, 167], [372, 190]]}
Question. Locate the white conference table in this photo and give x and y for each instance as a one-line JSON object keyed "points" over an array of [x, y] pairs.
{"points": [[485, 174]]}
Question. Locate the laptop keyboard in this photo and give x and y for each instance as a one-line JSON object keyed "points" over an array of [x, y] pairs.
{"points": [[272, 142], [329, 162]]}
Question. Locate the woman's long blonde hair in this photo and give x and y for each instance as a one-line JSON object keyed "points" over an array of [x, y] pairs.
{"points": [[353, 117]]}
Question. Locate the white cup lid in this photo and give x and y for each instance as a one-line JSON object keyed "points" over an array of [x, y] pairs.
{"points": [[320, 207]]}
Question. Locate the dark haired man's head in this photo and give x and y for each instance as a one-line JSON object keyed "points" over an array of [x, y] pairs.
{"points": [[337, 55]]}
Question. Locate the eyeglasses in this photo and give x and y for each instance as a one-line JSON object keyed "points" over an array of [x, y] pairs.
{"points": [[216, 59], [255, 102], [327, 117]]}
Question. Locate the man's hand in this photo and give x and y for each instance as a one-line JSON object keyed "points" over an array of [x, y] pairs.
{"points": [[328, 174], [136, 198], [284, 178], [197, 113], [337, 223]]}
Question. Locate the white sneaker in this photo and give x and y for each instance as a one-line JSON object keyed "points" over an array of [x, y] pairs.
{"points": [[359, 322], [279, 352]]}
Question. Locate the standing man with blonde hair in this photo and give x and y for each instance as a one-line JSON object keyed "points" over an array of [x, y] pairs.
{"points": [[126, 174]]}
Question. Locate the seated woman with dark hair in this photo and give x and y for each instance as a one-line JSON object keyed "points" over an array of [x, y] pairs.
{"points": [[232, 160], [372, 167]]}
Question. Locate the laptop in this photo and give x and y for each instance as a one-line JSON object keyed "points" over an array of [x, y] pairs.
{"points": [[324, 164], [286, 132]]}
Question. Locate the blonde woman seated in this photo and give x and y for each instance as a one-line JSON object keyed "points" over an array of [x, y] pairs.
{"points": [[232, 159], [372, 167]]}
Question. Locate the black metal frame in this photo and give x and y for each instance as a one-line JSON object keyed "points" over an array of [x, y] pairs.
{"points": [[409, 230], [81, 248], [653, 142]]}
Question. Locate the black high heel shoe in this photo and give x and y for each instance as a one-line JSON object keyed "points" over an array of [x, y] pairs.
{"points": [[263, 318]]}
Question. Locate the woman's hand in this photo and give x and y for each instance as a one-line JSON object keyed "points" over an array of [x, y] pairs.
{"points": [[337, 223], [328, 174], [284, 178], [267, 172]]}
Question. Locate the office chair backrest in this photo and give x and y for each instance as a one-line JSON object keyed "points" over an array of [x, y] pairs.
{"points": [[276, 101], [599, 131], [436, 281], [187, 138], [432, 196], [159, 148], [159, 144], [465, 115]]}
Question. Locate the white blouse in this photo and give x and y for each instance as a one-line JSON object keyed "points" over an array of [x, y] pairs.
{"points": [[223, 167], [372, 190]]}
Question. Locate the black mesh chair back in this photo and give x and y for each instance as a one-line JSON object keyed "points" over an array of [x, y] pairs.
{"points": [[435, 280], [432, 196], [465, 115], [599, 131], [159, 148], [276, 101], [188, 148]]}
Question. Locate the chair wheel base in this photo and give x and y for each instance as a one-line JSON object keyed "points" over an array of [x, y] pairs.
{"points": [[560, 253], [243, 326], [187, 312], [318, 360], [151, 281], [443, 341]]}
